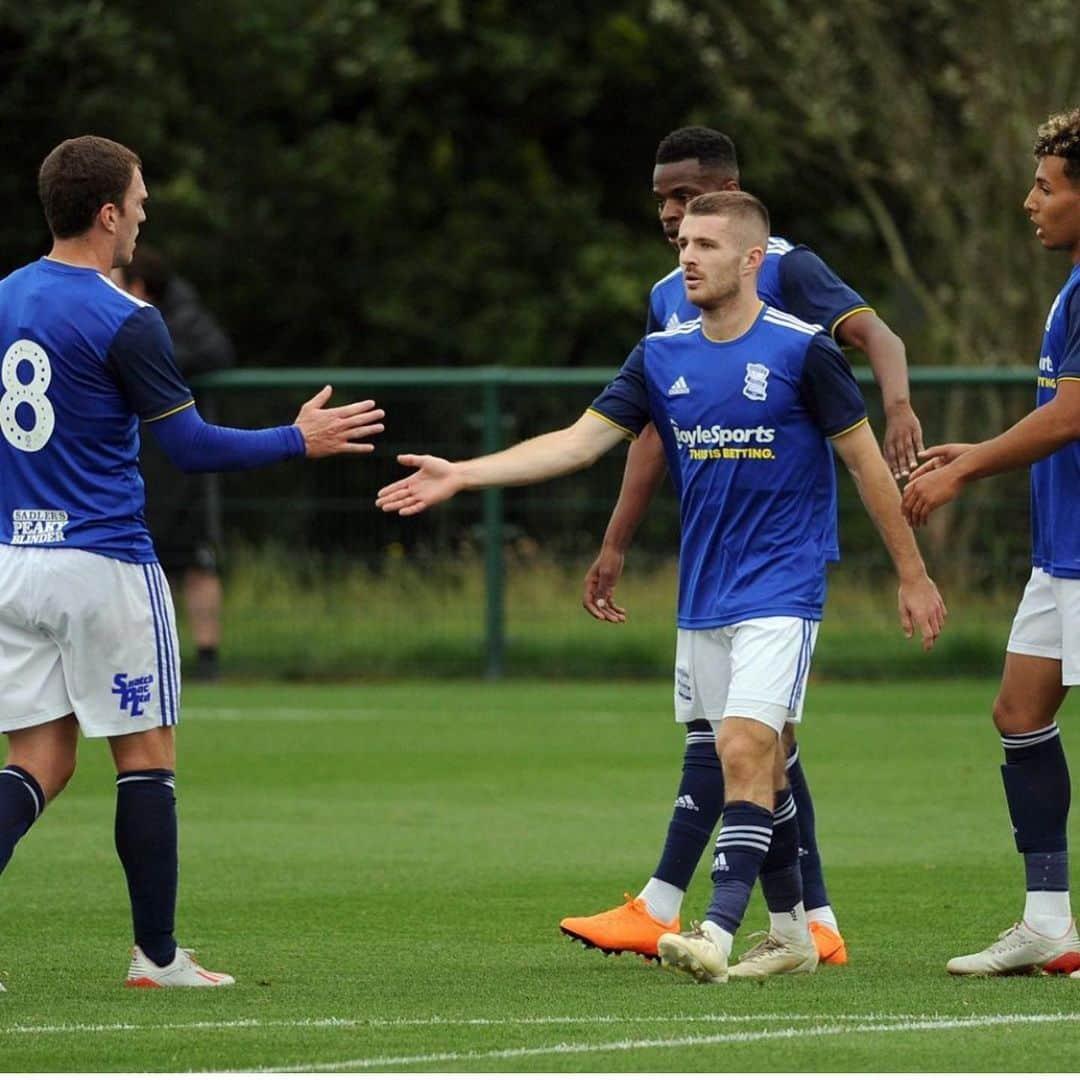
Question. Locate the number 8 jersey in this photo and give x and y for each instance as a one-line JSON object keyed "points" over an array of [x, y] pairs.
{"points": [[82, 363]]}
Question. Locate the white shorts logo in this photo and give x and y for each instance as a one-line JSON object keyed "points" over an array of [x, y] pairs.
{"points": [[756, 385], [38, 526]]}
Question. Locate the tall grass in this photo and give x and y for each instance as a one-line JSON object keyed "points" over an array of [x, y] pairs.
{"points": [[305, 616]]}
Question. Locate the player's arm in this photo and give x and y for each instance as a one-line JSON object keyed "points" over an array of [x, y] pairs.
{"points": [[832, 396], [556, 453], [1037, 435], [866, 331], [620, 411], [140, 359], [813, 292], [642, 477]]}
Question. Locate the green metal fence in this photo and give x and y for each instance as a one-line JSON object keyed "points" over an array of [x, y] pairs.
{"points": [[954, 403]]}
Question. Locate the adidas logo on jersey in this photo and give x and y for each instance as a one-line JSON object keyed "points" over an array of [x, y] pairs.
{"points": [[678, 387], [686, 802], [673, 321]]}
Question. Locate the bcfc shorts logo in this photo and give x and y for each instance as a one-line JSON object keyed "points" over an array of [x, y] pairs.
{"points": [[134, 693], [711, 443]]}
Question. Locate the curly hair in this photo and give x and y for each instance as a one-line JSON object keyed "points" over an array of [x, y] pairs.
{"points": [[1060, 137]]}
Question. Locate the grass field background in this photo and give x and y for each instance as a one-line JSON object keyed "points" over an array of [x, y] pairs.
{"points": [[383, 867]]}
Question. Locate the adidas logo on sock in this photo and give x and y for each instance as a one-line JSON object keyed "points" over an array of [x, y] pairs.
{"points": [[678, 387], [686, 802], [720, 863]]}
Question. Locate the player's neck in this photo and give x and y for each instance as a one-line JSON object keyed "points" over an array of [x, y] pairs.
{"points": [[82, 251], [731, 320]]}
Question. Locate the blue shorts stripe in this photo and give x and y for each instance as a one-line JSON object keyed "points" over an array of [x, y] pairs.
{"points": [[161, 625], [157, 641], [173, 644], [171, 649], [801, 666]]}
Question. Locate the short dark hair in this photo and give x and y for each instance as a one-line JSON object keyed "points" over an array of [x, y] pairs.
{"points": [[79, 177], [1060, 137], [148, 265], [737, 204], [712, 148]]}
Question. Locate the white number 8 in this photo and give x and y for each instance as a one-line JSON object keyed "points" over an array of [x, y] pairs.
{"points": [[31, 394]]}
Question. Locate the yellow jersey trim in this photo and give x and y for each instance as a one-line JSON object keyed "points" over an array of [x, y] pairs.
{"points": [[607, 420], [848, 430], [848, 314], [171, 412], [1068, 378]]}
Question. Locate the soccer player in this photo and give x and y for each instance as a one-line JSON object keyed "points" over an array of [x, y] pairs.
{"points": [[1042, 658], [745, 400], [689, 162], [87, 631]]}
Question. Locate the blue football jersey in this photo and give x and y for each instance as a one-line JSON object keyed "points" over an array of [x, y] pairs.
{"points": [[745, 425], [792, 279], [1055, 481], [83, 363]]}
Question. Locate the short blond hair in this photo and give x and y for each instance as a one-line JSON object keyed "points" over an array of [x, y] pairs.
{"points": [[745, 208]]}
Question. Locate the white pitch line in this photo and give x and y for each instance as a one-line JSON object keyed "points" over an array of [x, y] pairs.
{"points": [[685, 1041], [430, 1021]]}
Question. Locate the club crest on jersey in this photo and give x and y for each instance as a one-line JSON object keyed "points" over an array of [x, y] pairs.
{"points": [[756, 385], [679, 386], [134, 693]]}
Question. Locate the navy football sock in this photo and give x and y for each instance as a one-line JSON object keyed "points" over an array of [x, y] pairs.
{"points": [[1037, 789], [781, 879], [697, 807], [741, 848], [146, 843], [21, 804], [813, 877]]}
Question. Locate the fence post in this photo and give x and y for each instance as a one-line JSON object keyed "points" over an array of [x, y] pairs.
{"points": [[494, 564]]}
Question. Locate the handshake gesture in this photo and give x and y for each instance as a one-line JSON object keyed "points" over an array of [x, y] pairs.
{"points": [[934, 483]]}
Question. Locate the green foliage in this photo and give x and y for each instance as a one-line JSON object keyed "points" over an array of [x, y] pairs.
{"points": [[433, 181]]}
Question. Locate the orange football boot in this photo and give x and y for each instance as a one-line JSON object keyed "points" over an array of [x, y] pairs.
{"points": [[830, 945], [629, 928]]}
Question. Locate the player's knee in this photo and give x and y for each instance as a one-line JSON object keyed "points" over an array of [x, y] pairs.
{"points": [[1012, 717], [742, 756]]}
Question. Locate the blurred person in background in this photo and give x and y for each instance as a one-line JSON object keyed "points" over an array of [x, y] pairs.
{"points": [[177, 506]]}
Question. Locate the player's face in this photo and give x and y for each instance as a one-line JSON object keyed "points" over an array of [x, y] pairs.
{"points": [[714, 259], [676, 183], [1053, 204], [132, 215]]}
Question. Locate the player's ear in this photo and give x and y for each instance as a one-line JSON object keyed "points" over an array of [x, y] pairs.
{"points": [[753, 259]]}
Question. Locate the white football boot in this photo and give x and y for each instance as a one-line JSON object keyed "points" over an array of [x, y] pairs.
{"points": [[183, 971], [695, 953], [776, 956], [1022, 951]]}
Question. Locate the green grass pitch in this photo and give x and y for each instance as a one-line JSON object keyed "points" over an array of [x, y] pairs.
{"points": [[383, 867]]}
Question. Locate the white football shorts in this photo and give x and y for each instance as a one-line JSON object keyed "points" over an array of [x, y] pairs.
{"points": [[81, 633], [1047, 623], [756, 669]]}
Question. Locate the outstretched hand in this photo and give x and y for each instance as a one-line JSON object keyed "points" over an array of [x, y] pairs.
{"points": [[600, 581], [921, 608], [335, 431], [434, 481]]}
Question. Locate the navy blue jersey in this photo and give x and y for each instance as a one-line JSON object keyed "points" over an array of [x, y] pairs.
{"points": [[1055, 481], [83, 363], [792, 279], [744, 425]]}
